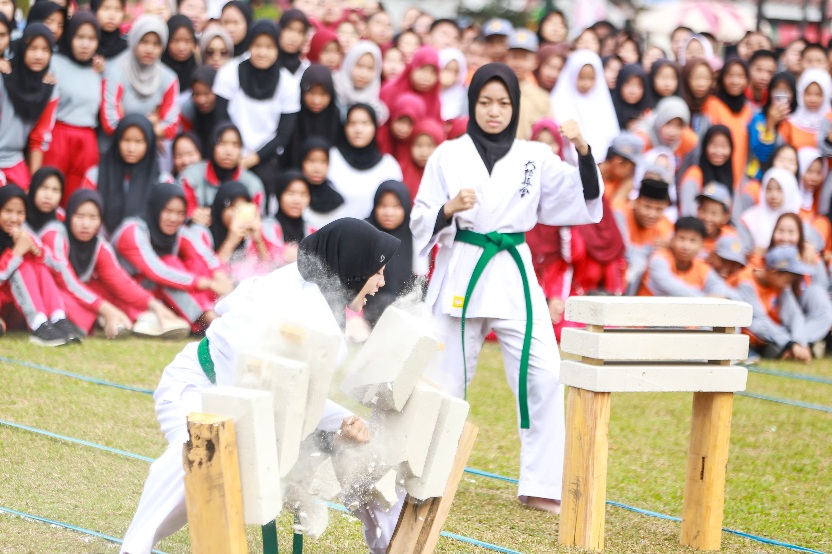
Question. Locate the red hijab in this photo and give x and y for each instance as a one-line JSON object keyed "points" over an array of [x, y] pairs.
{"points": [[424, 56], [459, 127], [411, 173], [320, 40], [408, 105]]}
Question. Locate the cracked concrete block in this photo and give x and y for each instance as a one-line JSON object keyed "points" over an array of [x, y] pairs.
{"points": [[388, 367], [384, 491], [408, 434], [311, 514]]}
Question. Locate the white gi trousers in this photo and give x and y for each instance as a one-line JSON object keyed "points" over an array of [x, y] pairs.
{"points": [[161, 511], [542, 445]]}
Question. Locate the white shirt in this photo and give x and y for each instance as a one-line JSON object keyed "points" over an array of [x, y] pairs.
{"points": [[358, 186]]}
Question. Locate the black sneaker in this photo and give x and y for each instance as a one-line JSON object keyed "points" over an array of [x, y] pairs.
{"points": [[48, 335], [72, 332]]}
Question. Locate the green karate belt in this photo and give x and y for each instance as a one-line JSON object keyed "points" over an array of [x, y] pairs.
{"points": [[491, 244], [203, 354]]}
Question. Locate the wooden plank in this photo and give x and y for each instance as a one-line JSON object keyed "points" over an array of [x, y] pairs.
{"points": [[419, 525], [649, 346], [653, 378], [213, 493], [638, 311], [585, 469], [710, 436]]}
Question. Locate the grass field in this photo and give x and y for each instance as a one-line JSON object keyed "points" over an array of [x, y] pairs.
{"points": [[779, 475]]}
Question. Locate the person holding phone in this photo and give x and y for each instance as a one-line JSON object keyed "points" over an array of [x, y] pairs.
{"points": [[765, 129]]}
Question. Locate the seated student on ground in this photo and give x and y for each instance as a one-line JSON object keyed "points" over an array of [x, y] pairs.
{"points": [[714, 211], [324, 199], [619, 168], [778, 196], [186, 150], [728, 259], [644, 228], [679, 271], [93, 284], [778, 326], [25, 279], [182, 271]]}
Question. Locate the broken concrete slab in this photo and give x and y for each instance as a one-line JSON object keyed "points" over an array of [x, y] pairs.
{"points": [[407, 435]]}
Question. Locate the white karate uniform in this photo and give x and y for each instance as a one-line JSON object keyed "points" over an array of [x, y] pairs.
{"points": [[245, 317], [529, 184]]}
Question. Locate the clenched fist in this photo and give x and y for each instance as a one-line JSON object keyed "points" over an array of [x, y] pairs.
{"points": [[570, 131], [465, 200]]}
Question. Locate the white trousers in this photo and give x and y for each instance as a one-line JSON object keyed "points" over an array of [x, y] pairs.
{"points": [[161, 511], [542, 445]]}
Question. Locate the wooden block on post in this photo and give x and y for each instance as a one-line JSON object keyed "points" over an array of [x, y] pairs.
{"points": [[213, 493], [419, 526], [585, 469], [710, 436]]}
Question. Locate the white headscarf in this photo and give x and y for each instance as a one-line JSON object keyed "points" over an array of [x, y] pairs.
{"points": [[706, 47], [594, 110], [806, 156], [803, 118], [761, 218], [144, 79], [345, 89], [454, 99]]}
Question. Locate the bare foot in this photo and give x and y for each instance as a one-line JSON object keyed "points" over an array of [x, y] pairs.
{"points": [[543, 504]]}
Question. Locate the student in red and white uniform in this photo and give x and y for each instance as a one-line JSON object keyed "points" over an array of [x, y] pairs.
{"points": [[25, 278], [93, 284], [28, 106], [184, 272], [137, 82], [201, 181], [43, 211]]}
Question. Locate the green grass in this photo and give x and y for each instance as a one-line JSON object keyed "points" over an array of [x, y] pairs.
{"points": [[779, 475]]}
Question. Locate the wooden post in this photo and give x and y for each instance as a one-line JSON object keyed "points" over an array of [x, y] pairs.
{"points": [[213, 494], [710, 435], [419, 526], [585, 469]]}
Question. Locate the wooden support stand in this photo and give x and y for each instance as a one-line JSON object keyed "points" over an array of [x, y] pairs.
{"points": [[419, 526], [213, 493], [585, 469]]}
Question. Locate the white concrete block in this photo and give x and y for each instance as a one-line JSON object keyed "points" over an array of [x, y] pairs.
{"points": [[288, 381], [629, 311], [443, 447], [358, 468], [322, 483], [384, 490], [253, 414], [408, 434], [386, 370], [318, 348], [311, 514], [631, 345], [653, 378]]}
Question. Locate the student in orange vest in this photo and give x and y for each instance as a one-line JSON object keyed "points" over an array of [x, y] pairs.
{"points": [[619, 169], [679, 271], [778, 326], [644, 228], [728, 259], [714, 211]]}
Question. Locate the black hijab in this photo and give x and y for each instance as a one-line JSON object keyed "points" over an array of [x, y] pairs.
{"points": [[226, 195], [185, 135], [790, 81], [340, 258], [113, 171], [161, 194], [653, 97], [492, 147], [324, 198], [294, 228], [721, 174], [205, 123], [625, 111], [34, 217], [78, 20], [248, 14], [291, 60], [7, 193], [27, 92], [398, 275], [40, 12], [111, 43], [81, 253], [360, 158], [326, 124], [223, 175], [260, 84], [184, 70], [734, 103]]}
